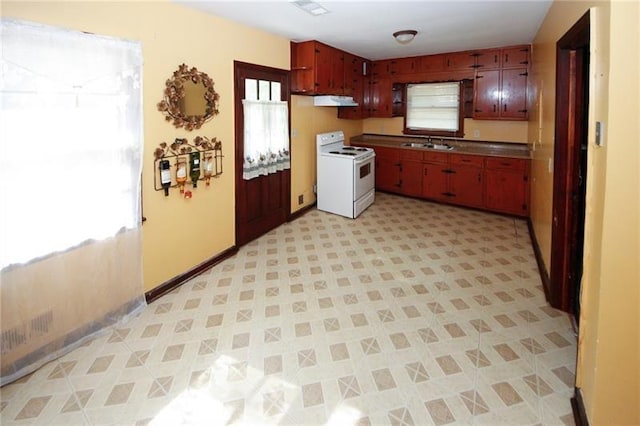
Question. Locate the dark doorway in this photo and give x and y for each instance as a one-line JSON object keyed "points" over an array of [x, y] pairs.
{"points": [[264, 202], [570, 167]]}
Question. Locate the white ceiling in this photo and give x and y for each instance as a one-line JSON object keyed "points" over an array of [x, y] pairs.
{"points": [[365, 28]]}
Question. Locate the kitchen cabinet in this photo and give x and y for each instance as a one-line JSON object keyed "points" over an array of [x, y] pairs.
{"points": [[431, 63], [501, 84], [488, 59], [411, 172], [465, 180], [498, 184], [381, 97], [357, 86], [507, 185], [501, 94], [316, 69], [514, 57], [454, 178], [387, 169], [402, 66], [459, 60]]}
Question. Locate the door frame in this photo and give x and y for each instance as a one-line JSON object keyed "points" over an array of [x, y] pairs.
{"points": [[571, 126]]}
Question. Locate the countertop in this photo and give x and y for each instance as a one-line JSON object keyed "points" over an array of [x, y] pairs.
{"points": [[460, 146]]}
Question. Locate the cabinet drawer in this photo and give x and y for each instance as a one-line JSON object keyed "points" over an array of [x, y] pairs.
{"points": [[506, 163], [411, 154], [471, 160], [387, 152], [436, 157]]}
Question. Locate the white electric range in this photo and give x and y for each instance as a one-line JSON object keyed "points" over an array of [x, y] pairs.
{"points": [[346, 176]]}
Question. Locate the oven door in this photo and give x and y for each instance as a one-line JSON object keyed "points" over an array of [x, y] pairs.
{"points": [[363, 176]]}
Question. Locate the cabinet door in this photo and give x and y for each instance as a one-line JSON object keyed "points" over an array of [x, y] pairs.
{"points": [[435, 181], [488, 59], [324, 68], [486, 97], [506, 191], [355, 87], [337, 72], [381, 69], [515, 57], [381, 98], [303, 67], [465, 185], [459, 61], [514, 93], [404, 66], [411, 178], [387, 174], [431, 63]]}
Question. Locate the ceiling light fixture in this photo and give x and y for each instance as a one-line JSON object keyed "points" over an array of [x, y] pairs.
{"points": [[404, 36], [310, 7]]}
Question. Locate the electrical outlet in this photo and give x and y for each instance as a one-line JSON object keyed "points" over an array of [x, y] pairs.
{"points": [[476, 133], [550, 165], [300, 199]]}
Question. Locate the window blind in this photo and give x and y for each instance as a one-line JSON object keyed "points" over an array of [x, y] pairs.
{"points": [[433, 106]]}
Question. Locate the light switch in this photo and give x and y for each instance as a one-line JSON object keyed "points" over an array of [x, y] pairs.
{"points": [[599, 133]]}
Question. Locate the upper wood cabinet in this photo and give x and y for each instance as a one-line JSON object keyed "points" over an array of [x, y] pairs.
{"points": [[508, 57], [404, 66], [431, 63], [501, 81], [317, 69], [460, 60], [515, 57], [357, 86]]}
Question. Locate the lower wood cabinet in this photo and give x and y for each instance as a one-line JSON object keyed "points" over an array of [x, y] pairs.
{"points": [[507, 185], [387, 169], [497, 184]]}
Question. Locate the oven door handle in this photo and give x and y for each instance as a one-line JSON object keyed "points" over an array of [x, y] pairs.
{"points": [[364, 160]]}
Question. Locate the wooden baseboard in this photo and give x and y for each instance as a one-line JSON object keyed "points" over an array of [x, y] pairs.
{"points": [[295, 215], [542, 269], [177, 281], [579, 412]]}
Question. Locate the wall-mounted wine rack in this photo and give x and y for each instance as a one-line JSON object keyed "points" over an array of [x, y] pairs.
{"points": [[209, 154]]}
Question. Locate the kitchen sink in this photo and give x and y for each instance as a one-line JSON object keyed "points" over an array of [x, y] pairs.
{"points": [[415, 144], [428, 145]]}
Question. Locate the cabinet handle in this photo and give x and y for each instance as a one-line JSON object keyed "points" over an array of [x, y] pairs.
{"points": [[494, 108], [495, 59], [506, 57], [505, 164], [479, 177], [524, 74], [523, 110], [504, 108]]}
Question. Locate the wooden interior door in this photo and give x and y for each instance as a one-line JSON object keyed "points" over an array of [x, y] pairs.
{"points": [[262, 203], [570, 160]]}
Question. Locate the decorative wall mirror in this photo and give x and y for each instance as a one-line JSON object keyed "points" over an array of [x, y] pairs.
{"points": [[189, 98]]}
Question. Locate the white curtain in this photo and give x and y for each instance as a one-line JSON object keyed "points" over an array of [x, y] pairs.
{"points": [[70, 164], [266, 138], [433, 106]]}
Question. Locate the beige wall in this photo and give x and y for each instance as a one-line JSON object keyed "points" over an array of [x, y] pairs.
{"points": [[608, 353], [179, 234], [487, 130]]}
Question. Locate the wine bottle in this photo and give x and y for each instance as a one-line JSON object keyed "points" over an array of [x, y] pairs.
{"points": [[165, 176], [194, 159], [181, 173], [208, 168]]}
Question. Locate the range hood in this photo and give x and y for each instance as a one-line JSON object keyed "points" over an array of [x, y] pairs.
{"points": [[333, 100]]}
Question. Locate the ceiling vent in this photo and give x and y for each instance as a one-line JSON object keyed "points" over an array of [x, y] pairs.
{"points": [[312, 8]]}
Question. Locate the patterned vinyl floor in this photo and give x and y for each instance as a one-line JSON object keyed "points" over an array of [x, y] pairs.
{"points": [[413, 314]]}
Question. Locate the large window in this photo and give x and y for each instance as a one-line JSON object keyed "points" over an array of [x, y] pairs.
{"points": [[70, 155], [434, 109]]}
